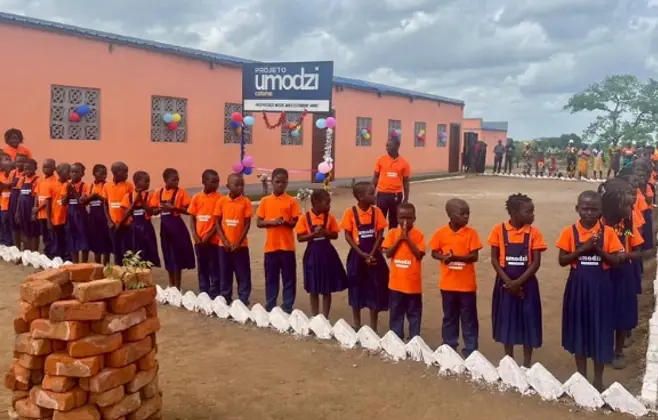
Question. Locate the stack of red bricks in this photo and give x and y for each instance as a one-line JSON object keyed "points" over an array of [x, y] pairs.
{"points": [[85, 346]]}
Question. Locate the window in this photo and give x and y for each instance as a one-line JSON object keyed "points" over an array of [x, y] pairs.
{"points": [[441, 135], [287, 139], [230, 136], [363, 123], [66, 99], [394, 125], [418, 128], [161, 105]]}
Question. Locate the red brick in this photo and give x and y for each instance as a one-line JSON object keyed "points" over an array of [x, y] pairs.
{"points": [[43, 311], [21, 326], [64, 330], [85, 272], [28, 312], [67, 290], [40, 292], [31, 362], [107, 398], [58, 276], [142, 330], [58, 383], [24, 343], [10, 379], [124, 407], [94, 344], [18, 395], [21, 373], [151, 389], [58, 345], [36, 377], [109, 378], [72, 310], [61, 364], [97, 290], [26, 408], [141, 379], [147, 362], [132, 300], [62, 401], [152, 309], [148, 409], [129, 353], [133, 276], [116, 323], [88, 412]]}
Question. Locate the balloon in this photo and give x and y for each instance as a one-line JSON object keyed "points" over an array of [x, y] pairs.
{"points": [[292, 126], [82, 110], [235, 125], [324, 167], [321, 123], [237, 167], [172, 126], [367, 136], [177, 117], [249, 121], [443, 135], [320, 177], [364, 131], [238, 131], [398, 131], [248, 162], [394, 133], [236, 116], [167, 118], [248, 171], [74, 117], [331, 122], [295, 133]]}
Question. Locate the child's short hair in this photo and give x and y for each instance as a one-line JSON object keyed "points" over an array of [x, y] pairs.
{"points": [[80, 165], [14, 132], [407, 206], [208, 173], [279, 171], [139, 175], [97, 167], [169, 172], [31, 162], [21, 155], [360, 189], [515, 201], [319, 195]]}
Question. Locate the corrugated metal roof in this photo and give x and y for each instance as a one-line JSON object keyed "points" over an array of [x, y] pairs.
{"points": [[495, 125], [199, 54]]}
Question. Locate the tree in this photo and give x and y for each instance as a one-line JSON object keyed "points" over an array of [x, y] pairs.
{"points": [[559, 142], [627, 109]]}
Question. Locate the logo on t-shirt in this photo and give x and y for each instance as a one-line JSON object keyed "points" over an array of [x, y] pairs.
{"points": [[369, 233], [203, 218], [392, 174], [455, 265], [590, 259], [231, 222], [518, 261], [402, 263]]}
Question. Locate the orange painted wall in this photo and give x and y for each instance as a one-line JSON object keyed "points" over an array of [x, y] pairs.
{"points": [[128, 77], [490, 137]]}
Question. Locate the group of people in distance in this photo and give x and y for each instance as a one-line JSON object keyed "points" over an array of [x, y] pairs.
{"points": [[604, 249]]}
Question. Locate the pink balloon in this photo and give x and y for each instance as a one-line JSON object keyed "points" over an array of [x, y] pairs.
{"points": [[248, 162], [331, 122], [324, 168], [238, 168]]}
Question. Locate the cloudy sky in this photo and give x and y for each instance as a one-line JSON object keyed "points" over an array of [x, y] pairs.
{"points": [[514, 60]]}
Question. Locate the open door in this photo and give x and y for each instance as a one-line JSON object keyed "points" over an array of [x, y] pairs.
{"points": [[317, 145], [453, 148]]}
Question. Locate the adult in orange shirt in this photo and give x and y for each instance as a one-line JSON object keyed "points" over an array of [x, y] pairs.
{"points": [[44, 203], [58, 212], [138, 217], [391, 179], [589, 248], [13, 140], [204, 233], [25, 217], [516, 248], [113, 194], [457, 245], [278, 213], [6, 168], [233, 214], [405, 246]]}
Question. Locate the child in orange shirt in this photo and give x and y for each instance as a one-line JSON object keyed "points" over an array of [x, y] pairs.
{"points": [[405, 246], [77, 218], [367, 271], [278, 213], [323, 270], [26, 206], [6, 167], [17, 176], [456, 245], [233, 214], [44, 194], [57, 212], [175, 241], [516, 248], [589, 248], [204, 233], [100, 241], [138, 218], [113, 194]]}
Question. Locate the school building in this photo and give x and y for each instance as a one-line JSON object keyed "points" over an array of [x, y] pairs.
{"points": [[129, 83]]}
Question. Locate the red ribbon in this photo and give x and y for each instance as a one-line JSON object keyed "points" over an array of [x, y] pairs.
{"points": [[282, 120]]}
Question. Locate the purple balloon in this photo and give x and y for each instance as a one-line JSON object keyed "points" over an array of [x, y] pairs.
{"points": [[248, 162], [331, 122], [238, 168]]}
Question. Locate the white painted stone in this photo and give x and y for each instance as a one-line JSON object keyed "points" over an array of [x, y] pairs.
{"points": [[653, 340], [204, 304], [481, 368], [649, 393], [189, 300], [419, 351], [543, 381], [260, 316], [368, 339], [619, 399], [449, 360], [345, 334], [582, 392], [321, 327], [393, 346], [160, 295], [512, 375], [174, 297], [299, 323], [279, 320], [220, 307], [239, 311]]}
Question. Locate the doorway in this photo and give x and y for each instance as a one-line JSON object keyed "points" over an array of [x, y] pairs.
{"points": [[453, 147], [319, 138]]}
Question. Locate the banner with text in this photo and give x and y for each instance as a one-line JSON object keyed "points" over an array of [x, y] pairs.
{"points": [[289, 87]]}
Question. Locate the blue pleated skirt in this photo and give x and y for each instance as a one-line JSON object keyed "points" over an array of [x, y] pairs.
{"points": [[367, 285], [145, 241], [624, 293], [323, 270], [517, 321]]}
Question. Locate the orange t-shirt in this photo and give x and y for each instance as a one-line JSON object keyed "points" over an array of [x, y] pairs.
{"points": [[349, 224], [516, 236], [202, 207], [5, 193], [633, 240], [456, 276], [406, 275], [234, 213], [20, 150], [130, 198], [58, 207], [641, 201], [96, 188], [391, 173], [567, 242], [303, 228], [114, 193], [34, 180], [279, 238], [45, 191], [638, 217], [182, 200]]}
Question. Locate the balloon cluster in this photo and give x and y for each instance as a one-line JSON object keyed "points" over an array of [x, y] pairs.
{"points": [[80, 111], [245, 166], [396, 134], [366, 133], [420, 135], [239, 123], [172, 120], [327, 164], [294, 129], [443, 136]]}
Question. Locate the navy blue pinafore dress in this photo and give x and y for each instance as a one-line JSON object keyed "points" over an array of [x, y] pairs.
{"points": [[143, 233], [100, 241], [587, 316], [13, 203], [177, 248], [323, 270], [515, 320], [367, 285], [77, 224], [624, 292], [25, 207]]}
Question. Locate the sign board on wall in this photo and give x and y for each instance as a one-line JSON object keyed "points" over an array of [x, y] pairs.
{"points": [[289, 87]]}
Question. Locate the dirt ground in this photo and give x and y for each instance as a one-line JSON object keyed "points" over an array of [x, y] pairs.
{"points": [[212, 369]]}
